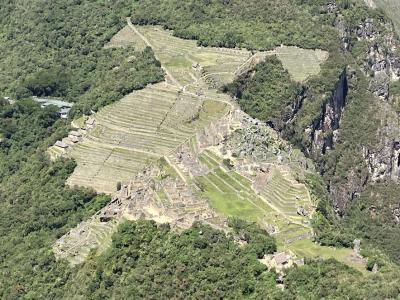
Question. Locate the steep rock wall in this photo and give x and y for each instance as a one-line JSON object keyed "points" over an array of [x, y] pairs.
{"points": [[381, 59], [384, 161], [324, 129]]}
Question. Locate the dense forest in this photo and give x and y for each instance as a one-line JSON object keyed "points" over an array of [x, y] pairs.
{"points": [[55, 48]]}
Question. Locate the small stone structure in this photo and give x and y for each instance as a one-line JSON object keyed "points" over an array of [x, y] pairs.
{"points": [[279, 261], [61, 145], [357, 246]]}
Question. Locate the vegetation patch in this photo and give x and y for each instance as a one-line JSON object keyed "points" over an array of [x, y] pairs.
{"points": [[392, 9], [265, 93], [301, 63]]}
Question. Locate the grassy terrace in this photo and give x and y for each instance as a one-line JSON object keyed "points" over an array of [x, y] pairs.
{"points": [[149, 123], [233, 200], [232, 195], [282, 192], [285, 194], [118, 148], [98, 239], [306, 248], [178, 55], [301, 63]]}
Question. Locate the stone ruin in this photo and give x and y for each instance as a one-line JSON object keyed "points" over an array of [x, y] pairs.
{"points": [[139, 199], [188, 161], [254, 140], [74, 136]]}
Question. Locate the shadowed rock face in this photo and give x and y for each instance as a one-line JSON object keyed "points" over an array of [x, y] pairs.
{"points": [[380, 62], [323, 130]]}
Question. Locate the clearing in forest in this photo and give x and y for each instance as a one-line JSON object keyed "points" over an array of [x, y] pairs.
{"points": [[301, 63]]}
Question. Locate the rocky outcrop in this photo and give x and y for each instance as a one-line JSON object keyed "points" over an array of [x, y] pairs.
{"points": [[323, 130], [381, 59], [382, 64], [384, 161]]}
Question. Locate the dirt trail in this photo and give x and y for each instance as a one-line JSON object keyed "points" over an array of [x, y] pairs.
{"points": [[147, 42]]}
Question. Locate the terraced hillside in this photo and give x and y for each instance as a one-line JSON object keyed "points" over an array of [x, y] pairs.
{"points": [[140, 128], [257, 185], [217, 161], [149, 123], [301, 63]]}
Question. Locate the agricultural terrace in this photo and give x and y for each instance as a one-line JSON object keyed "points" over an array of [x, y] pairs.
{"points": [[126, 38], [138, 129], [301, 63], [233, 195], [149, 123], [92, 235]]}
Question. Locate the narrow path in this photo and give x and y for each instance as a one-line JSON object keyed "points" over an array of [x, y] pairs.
{"points": [[147, 42], [176, 169]]}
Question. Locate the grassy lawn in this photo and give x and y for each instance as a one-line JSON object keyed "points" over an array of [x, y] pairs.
{"points": [[229, 204], [212, 108], [165, 166], [80, 122], [306, 248], [235, 200], [301, 63], [208, 160], [178, 62]]}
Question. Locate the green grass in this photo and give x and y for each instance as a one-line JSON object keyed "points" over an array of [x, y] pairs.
{"points": [[211, 107], [229, 204], [306, 248], [162, 196], [178, 62], [227, 177], [167, 168], [282, 192], [208, 160], [301, 63], [80, 122], [235, 200]]}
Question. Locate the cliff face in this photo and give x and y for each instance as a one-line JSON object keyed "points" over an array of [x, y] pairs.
{"points": [[384, 161], [324, 129], [373, 48], [381, 61]]}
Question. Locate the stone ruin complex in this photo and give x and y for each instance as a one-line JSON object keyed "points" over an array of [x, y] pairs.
{"points": [[140, 199], [74, 136]]}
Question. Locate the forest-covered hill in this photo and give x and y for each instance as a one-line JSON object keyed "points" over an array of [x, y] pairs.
{"points": [[345, 119]]}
